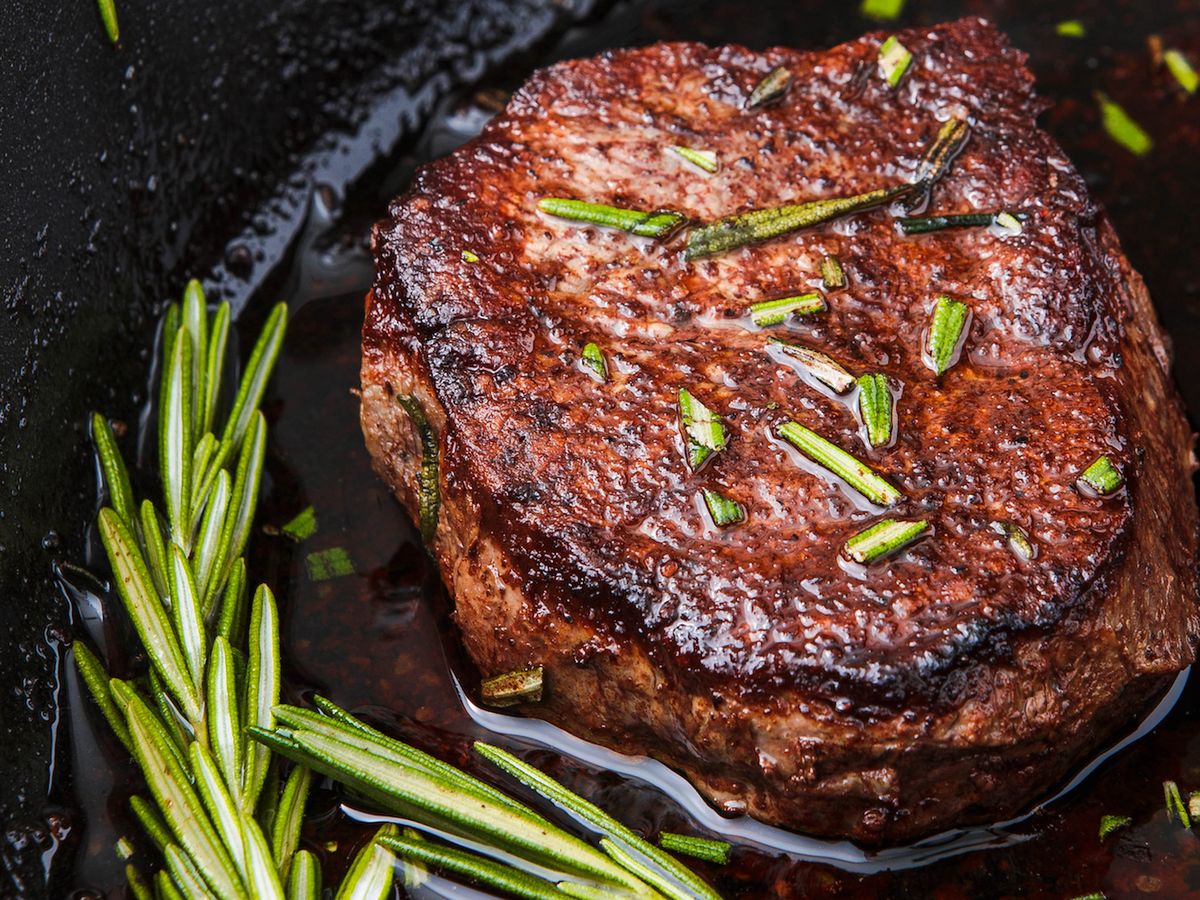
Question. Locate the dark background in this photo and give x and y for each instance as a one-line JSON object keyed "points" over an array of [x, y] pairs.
{"points": [[191, 150]]}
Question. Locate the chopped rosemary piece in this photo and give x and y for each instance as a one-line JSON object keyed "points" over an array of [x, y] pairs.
{"points": [[759, 225], [883, 539], [926, 224], [511, 688], [659, 224], [773, 86], [429, 485], [698, 847], [773, 312], [469, 256], [1176, 808], [894, 60], [723, 510], [302, 527], [881, 10], [875, 407], [829, 456], [832, 274], [1010, 223], [1121, 127], [943, 149], [1179, 66], [704, 159], [823, 368], [1018, 540], [947, 331], [1193, 805], [592, 359], [108, 15], [1072, 28], [325, 564], [1109, 824], [1101, 477], [702, 428]]}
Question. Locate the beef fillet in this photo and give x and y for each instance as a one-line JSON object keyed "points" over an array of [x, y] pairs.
{"points": [[953, 682]]}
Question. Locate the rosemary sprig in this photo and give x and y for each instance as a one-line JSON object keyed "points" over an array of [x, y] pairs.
{"points": [[894, 60], [837, 461], [766, 313], [875, 403], [823, 368], [1101, 477], [883, 539], [723, 510], [702, 429], [698, 847], [511, 688], [833, 276], [108, 15], [702, 159], [429, 489], [771, 88], [660, 224], [593, 361], [947, 331], [759, 225]]}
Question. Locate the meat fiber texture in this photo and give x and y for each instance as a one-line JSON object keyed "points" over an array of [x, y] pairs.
{"points": [[950, 684]]}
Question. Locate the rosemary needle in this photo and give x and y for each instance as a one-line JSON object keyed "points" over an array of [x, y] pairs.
{"points": [[659, 224], [838, 462]]}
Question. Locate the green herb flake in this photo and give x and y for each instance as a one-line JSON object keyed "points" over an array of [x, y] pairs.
{"points": [[773, 86], [124, 848], [703, 430], [698, 847], [1009, 223], [925, 224], [883, 539], [894, 60], [659, 224], [325, 564], [947, 330], [881, 10], [723, 510], [774, 312], [1101, 477], [823, 368], [593, 361], [108, 15], [759, 225], [1109, 824], [511, 688], [1018, 540], [469, 256], [833, 276], [302, 527], [1194, 805], [837, 461], [1094, 895], [1176, 808], [703, 159], [1178, 65], [1072, 28], [875, 406], [1122, 128]]}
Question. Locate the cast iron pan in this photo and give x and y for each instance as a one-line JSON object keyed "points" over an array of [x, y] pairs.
{"points": [[192, 150]]}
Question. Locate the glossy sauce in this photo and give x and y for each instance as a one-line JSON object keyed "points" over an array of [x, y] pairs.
{"points": [[380, 641]]}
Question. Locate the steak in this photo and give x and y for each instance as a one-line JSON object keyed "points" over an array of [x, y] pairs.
{"points": [[953, 681]]}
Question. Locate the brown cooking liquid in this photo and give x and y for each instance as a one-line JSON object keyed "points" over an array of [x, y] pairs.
{"points": [[380, 641]]}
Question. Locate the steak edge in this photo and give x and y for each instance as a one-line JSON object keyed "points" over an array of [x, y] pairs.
{"points": [[954, 683]]}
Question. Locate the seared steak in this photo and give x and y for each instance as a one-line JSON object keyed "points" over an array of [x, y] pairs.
{"points": [[951, 682]]}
